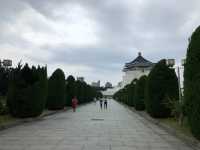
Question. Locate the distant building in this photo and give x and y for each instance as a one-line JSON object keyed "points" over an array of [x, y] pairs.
{"points": [[81, 79], [135, 69], [96, 84], [119, 84], [6, 63], [108, 85]]}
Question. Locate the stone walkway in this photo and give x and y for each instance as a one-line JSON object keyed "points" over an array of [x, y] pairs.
{"points": [[90, 129]]}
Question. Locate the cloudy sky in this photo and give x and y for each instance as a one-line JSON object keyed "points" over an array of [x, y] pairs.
{"points": [[94, 38]]}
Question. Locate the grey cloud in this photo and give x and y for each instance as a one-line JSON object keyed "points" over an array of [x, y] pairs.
{"points": [[157, 28]]}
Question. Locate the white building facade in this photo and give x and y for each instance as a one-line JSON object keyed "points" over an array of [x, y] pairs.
{"points": [[135, 69], [132, 70]]}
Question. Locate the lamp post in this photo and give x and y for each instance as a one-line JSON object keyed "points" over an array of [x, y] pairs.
{"points": [[171, 63]]}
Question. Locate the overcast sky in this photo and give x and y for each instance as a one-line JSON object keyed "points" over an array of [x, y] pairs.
{"points": [[94, 38]]}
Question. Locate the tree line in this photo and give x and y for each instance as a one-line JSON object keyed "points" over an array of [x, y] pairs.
{"points": [[158, 92], [27, 91]]}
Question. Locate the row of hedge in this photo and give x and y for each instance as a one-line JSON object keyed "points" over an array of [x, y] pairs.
{"points": [[4, 75], [155, 92], [158, 93], [30, 91]]}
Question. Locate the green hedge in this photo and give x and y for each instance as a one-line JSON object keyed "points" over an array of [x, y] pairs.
{"points": [[56, 90], [4, 74], [83, 91], [70, 90], [140, 93], [192, 83], [162, 87], [127, 94], [27, 91]]}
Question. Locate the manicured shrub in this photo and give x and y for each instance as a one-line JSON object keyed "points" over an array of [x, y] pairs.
{"points": [[3, 107], [127, 94], [133, 92], [140, 93], [4, 74], [162, 87], [80, 89], [192, 83], [70, 90], [56, 90], [27, 91]]}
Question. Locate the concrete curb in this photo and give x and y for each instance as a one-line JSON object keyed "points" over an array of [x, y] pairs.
{"points": [[190, 141]]}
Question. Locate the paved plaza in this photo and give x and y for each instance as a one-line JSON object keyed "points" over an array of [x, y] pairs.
{"points": [[90, 128]]}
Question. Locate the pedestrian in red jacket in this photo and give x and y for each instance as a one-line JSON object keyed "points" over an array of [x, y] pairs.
{"points": [[74, 103]]}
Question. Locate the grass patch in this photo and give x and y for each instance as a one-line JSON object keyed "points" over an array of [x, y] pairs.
{"points": [[4, 119], [184, 128]]}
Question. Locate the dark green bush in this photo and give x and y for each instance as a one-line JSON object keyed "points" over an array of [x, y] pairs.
{"points": [[56, 90], [79, 91], [192, 83], [140, 93], [127, 94], [27, 91], [162, 86], [3, 107], [83, 91], [70, 90], [4, 74], [131, 93]]}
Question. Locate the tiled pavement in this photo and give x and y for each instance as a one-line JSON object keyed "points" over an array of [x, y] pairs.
{"points": [[90, 129]]}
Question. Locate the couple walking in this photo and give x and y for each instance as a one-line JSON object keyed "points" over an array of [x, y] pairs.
{"points": [[105, 102]]}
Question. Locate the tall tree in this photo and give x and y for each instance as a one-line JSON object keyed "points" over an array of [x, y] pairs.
{"points": [[162, 87], [70, 90], [27, 91], [56, 90], [140, 93], [192, 83]]}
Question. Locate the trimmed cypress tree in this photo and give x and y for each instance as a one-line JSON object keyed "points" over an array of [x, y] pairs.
{"points": [[1, 106], [56, 90], [4, 74], [127, 94], [162, 88], [78, 91], [140, 93], [70, 90], [133, 91], [192, 83], [27, 91]]}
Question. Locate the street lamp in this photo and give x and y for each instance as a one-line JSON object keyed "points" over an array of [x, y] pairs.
{"points": [[171, 63], [183, 62]]}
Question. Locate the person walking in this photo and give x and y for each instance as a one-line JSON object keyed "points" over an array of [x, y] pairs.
{"points": [[105, 104], [74, 103], [101, 103]]}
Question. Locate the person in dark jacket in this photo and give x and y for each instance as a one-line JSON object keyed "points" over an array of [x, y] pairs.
{"points": [[105, 104], [101, 103]]}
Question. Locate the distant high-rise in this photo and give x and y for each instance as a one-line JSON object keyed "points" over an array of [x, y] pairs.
{"points": [[96, 84]]}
